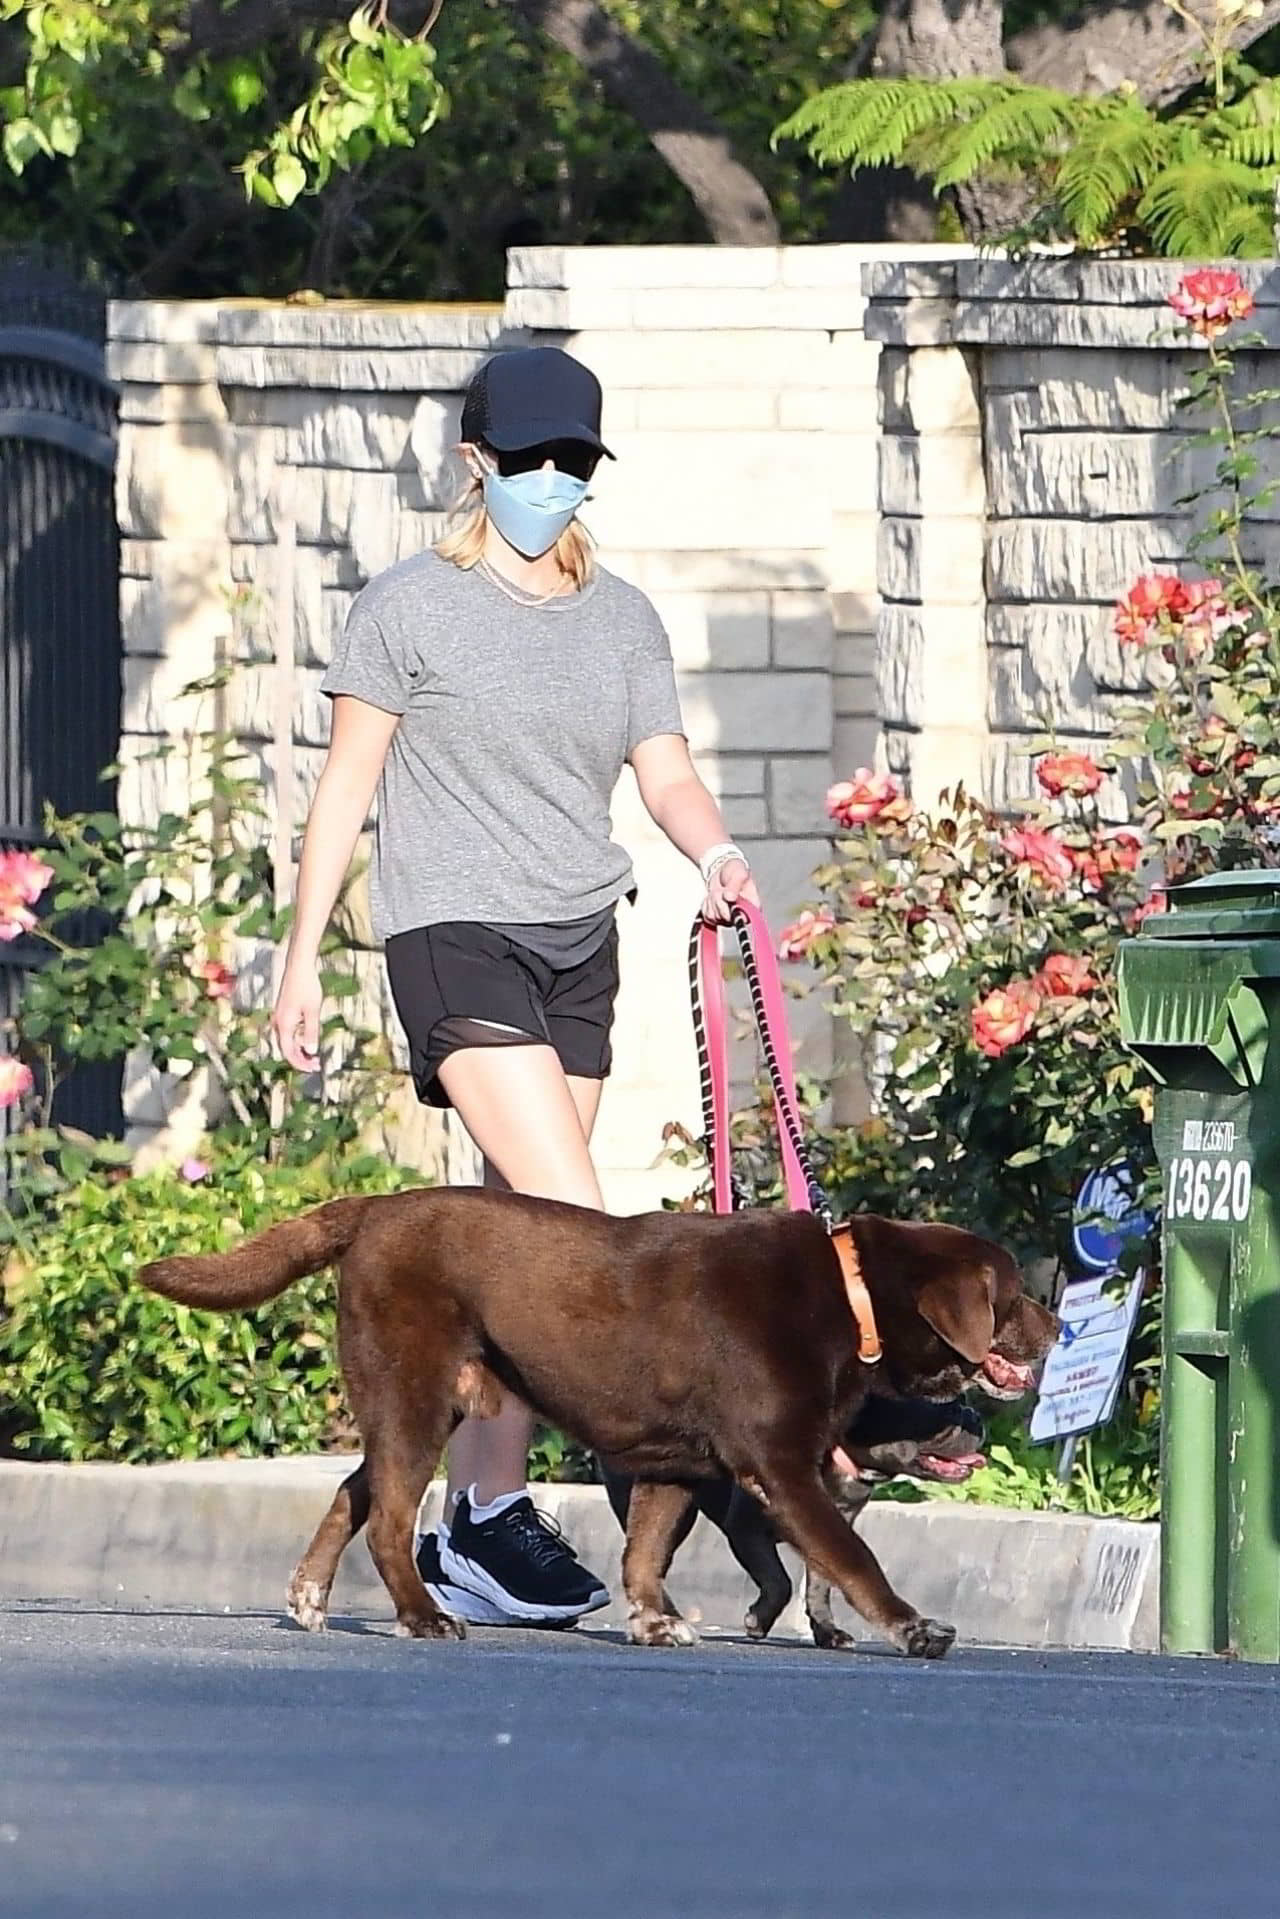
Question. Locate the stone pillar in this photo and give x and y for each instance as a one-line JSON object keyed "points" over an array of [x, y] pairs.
{"points": [[931, 651]]}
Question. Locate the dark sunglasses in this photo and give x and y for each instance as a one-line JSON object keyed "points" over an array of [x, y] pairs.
{"points": [[568, 456]]}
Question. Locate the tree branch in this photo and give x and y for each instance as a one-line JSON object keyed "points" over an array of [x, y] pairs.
{"points": [[727, 194], [1139, 40]]}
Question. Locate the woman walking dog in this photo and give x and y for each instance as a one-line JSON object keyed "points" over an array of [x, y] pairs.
{"points": [[491, 690]]}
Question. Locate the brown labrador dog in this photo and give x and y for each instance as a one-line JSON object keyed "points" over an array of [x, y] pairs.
{"points": [[915, 1438], [678, 1346]]}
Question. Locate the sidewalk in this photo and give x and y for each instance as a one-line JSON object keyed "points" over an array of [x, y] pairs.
{"points": [[223, 1535]]}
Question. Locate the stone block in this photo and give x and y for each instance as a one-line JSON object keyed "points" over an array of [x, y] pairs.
{"points": [[853, 695], [857, 740], [153, 702], [797, 794], [856, 613], [171, 481], [1011, 323], [845, 408], [942, 391], [144, 363], [661, 569], [703, 358], [852, 562], [932, 474], [935, 560], [831, 307], [803, 630], [911, 323], [681, 410], [566, 309], [662, 266], [338, 324], [731, 775], [730, 490], [347, 369], [931, 666], [723, 630], [1066, 475], [181, 607], [757, 712], [251, 704], [162, 322], [154, 782], [364, 431], [1070, 561], [1040, 678], [855, 652], [1061, 387], [1009, 779], [160, 405], [913, 279]]}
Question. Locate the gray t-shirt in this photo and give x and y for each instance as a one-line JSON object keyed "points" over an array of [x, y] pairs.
{"points": [[516, 721]]}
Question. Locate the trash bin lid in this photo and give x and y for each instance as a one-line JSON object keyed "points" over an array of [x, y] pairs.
{"points": [[1235, 905]]}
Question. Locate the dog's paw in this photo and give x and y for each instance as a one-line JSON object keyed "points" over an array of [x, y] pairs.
{"points": [[648, 1628], [440, 1625], [306, 1603], [830, 1637], [925, 1638], [755, 1627]]}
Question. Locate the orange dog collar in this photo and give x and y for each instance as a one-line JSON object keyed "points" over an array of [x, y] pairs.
{"points": [[855, 1287]]}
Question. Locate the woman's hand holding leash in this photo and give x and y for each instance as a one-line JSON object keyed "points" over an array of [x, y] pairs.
{"points": [[728, 879]]}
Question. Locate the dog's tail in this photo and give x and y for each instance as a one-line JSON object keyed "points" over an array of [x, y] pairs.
{"points": [[262, 1267]]}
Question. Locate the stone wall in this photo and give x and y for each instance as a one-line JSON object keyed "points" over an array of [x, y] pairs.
{"points": [[274, 457], [1031, 461]]}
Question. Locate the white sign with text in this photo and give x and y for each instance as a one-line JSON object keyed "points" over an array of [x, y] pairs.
{"points": [[1083, 1372]]}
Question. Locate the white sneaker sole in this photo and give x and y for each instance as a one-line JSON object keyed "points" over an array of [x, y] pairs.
{"points": [[476, 1580]]}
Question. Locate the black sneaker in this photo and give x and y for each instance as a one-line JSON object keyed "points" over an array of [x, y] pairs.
{"points": [[519, 1562], [455, 1599]]}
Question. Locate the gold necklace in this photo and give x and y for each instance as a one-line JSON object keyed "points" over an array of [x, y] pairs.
{"points": [[515, 593]]}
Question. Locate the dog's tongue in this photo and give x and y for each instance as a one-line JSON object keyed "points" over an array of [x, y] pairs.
{"points": [[1005, 1373], [958, 1468]]}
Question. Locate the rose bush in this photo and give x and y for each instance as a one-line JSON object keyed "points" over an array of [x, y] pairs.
{"points": [[973, 957]]}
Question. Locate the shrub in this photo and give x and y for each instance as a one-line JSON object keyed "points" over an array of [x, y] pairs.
{"points": [[96, 1367]]}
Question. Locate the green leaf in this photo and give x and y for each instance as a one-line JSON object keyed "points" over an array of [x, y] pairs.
{"points": [[288, 178]]}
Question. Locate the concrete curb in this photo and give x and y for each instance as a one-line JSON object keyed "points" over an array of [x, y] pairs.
{"points": [[224, 1535]]}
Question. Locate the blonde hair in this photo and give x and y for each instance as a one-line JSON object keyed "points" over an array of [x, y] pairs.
{"points": [[464, 543]]}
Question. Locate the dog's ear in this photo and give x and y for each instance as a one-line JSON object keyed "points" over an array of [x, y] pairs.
{"points": [[960, 1306]]}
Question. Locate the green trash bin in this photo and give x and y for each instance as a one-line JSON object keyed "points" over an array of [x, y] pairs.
{"points": [[1200, 1003]]}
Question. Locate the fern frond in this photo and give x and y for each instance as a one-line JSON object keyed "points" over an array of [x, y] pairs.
{"points": [[1249, 129], [1193, 207], [1112, 157], [1026, 127], [875, 122]]}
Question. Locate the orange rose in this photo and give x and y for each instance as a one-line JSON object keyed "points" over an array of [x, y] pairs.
{"points": [[795, 940], [1154, 601], [1004, 1017], [1065, 976], [1073, 773], [1119, 853], [865, 797], [1045, 855]]}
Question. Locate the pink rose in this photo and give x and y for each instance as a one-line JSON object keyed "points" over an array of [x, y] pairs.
{"points": [[1210, 299], [16, 1080], [23, 878], [1150, 607], [219, 980], [1073, 773], [865, 797], [194, 1170], [1044, 853]]}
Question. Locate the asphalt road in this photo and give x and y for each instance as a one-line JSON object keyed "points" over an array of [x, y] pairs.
{"points": [[191, 1766]]}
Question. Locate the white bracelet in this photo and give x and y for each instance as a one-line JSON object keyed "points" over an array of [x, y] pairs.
{"points": [[717, 856]]}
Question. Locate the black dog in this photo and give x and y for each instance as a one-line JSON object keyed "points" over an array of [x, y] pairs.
{"points": [[919, 1437]]}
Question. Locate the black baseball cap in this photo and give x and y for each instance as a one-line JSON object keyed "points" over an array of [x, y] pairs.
{"points": [[530, 396]]}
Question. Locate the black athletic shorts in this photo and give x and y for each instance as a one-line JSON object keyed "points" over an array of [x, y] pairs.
{"points": [[446, 978]]}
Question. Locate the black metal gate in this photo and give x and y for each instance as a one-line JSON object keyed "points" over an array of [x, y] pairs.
{"points": [[60, 652]]}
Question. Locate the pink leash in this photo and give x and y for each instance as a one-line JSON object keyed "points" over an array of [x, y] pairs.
{"points": [[711, 1031]]}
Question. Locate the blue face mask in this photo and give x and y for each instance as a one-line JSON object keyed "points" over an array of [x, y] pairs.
{"points": [[531, 510]]}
